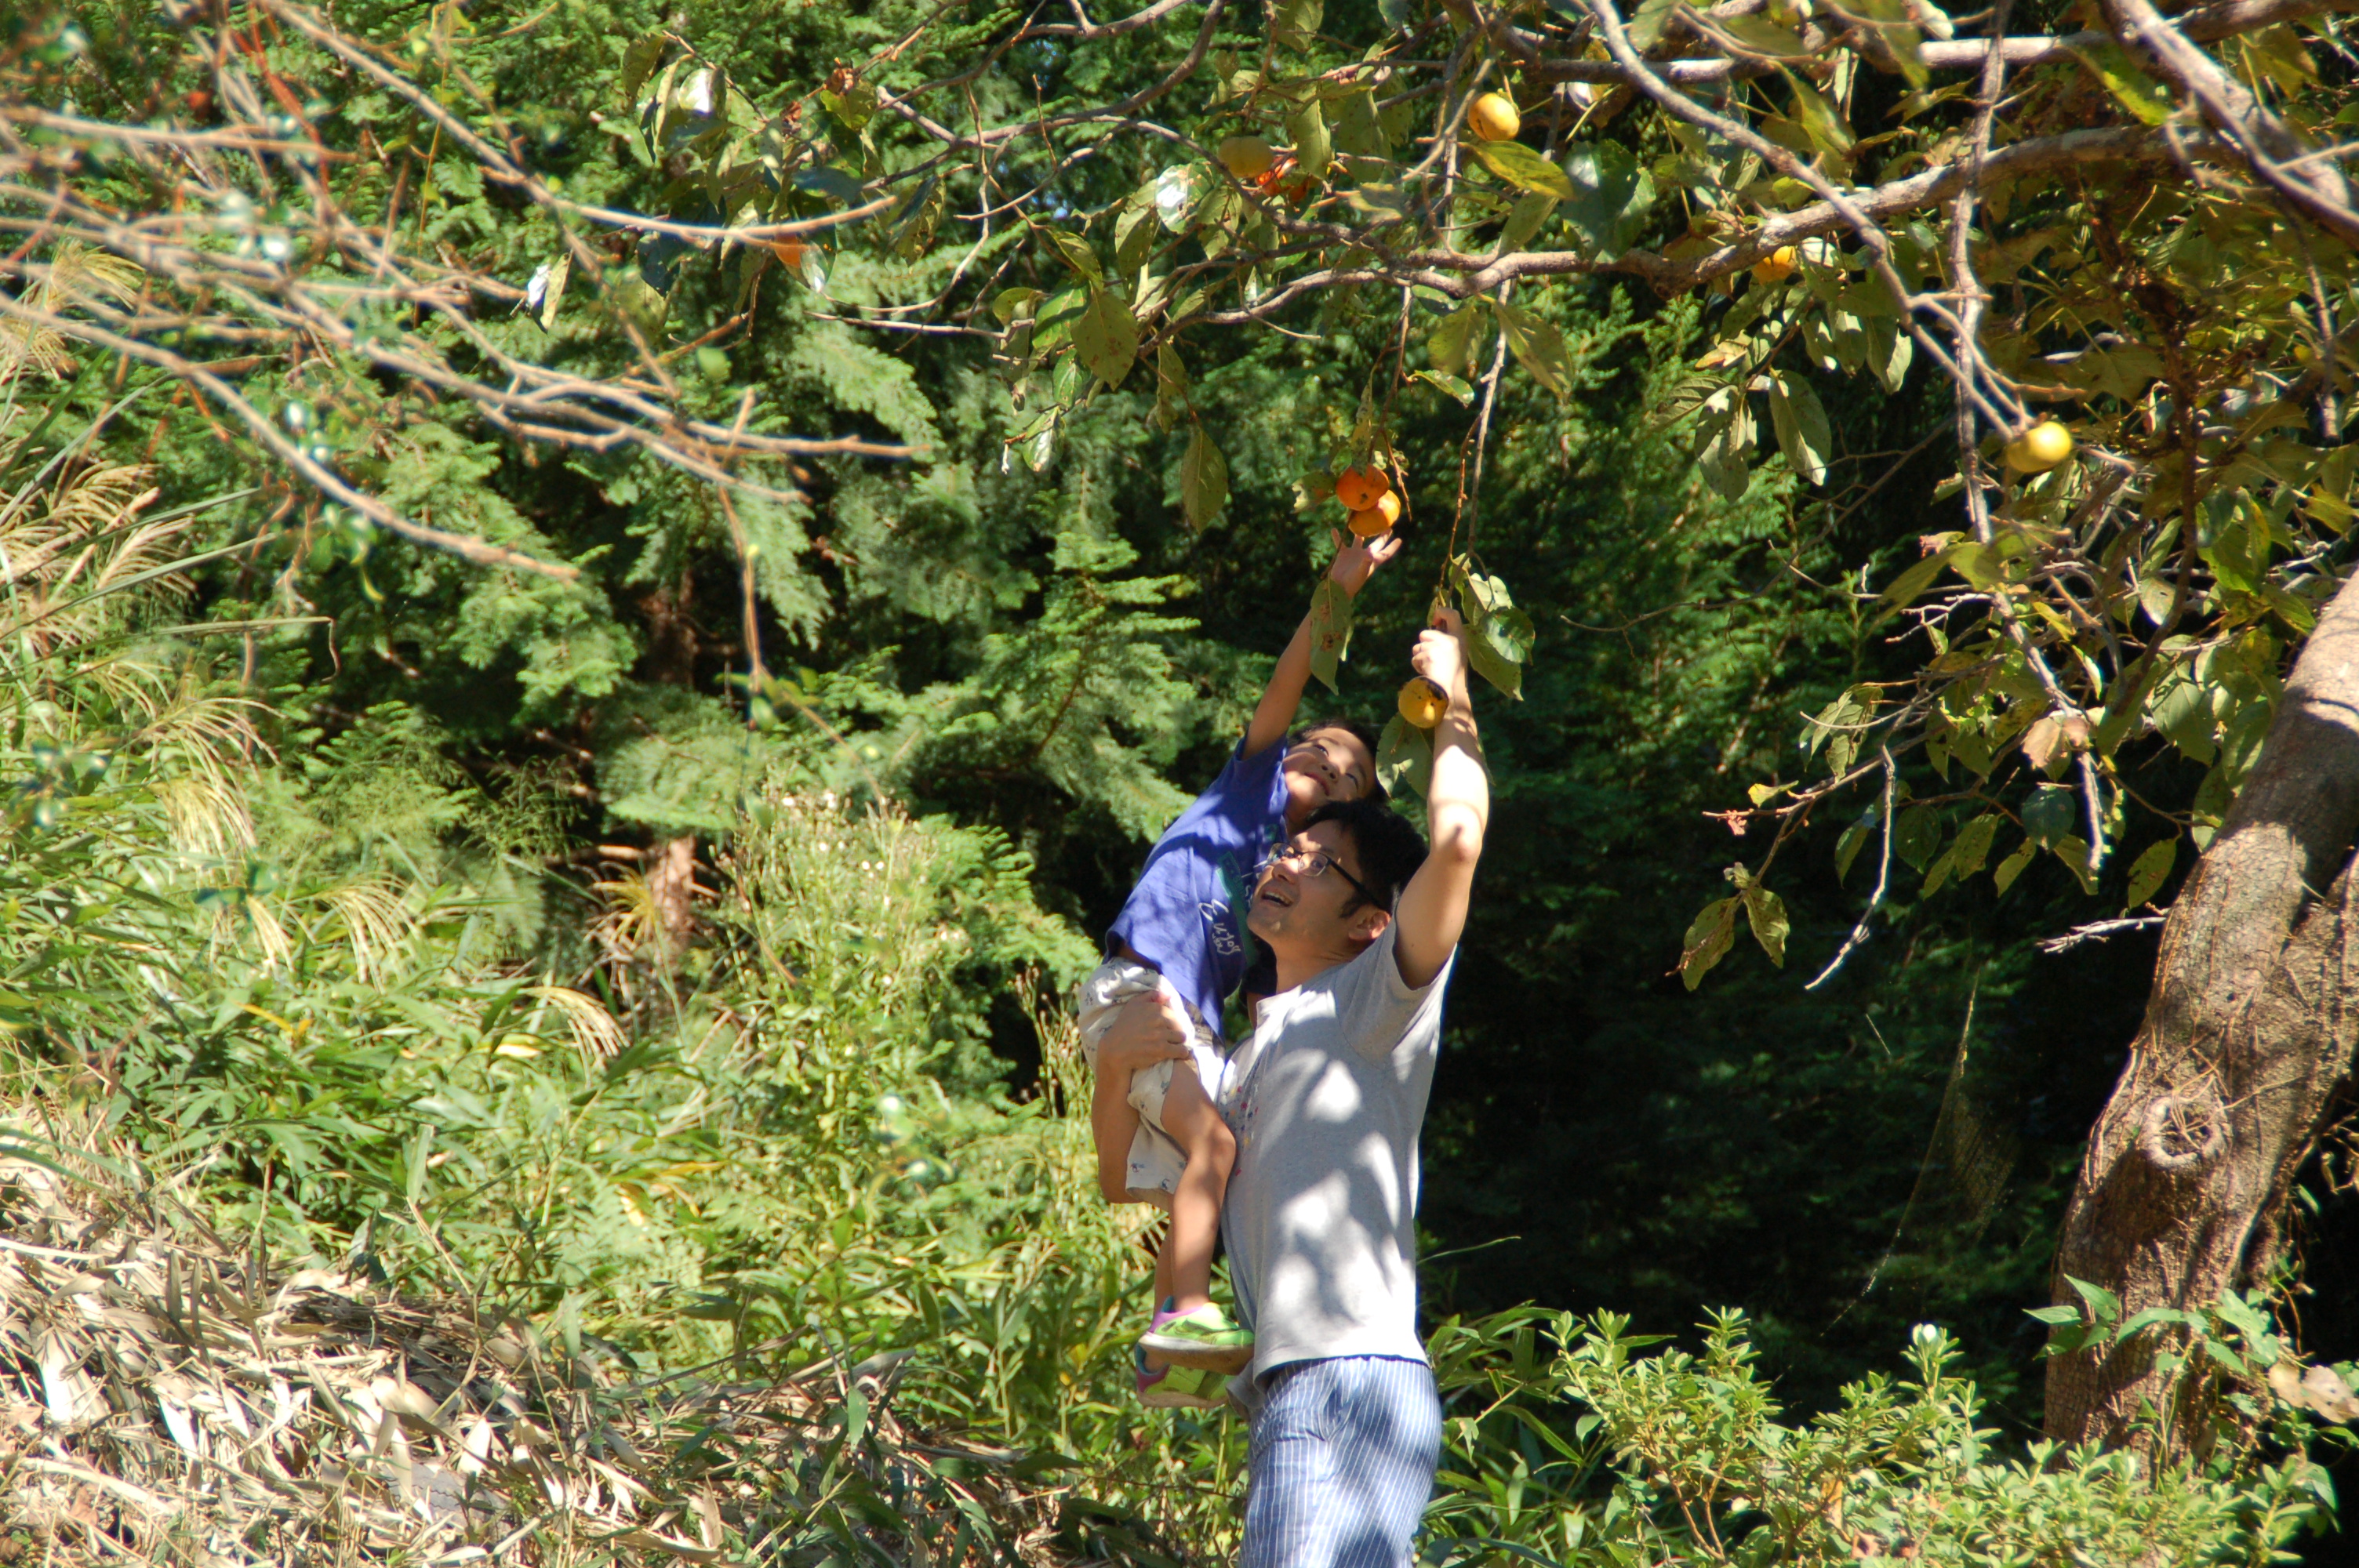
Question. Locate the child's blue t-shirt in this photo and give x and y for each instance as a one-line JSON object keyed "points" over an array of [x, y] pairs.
{"points": [[1187, 915]]}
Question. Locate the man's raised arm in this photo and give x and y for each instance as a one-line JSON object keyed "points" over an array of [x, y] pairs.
{"points": [[1457, 808]]}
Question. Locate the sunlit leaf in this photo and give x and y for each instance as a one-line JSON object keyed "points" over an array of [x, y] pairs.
{"points": [[1106, 336]]}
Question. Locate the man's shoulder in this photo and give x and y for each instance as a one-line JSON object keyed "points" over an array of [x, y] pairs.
{"points": [[1370, 981]]}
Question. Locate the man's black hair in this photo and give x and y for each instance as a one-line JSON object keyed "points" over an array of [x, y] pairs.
{"points": [[1388, 849], [1357, 732]]}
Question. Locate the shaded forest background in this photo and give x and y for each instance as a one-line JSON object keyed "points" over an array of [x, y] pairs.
{"points": [[1046, 658]]}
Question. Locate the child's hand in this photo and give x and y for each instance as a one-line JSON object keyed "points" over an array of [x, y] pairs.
{"points": [[1440, 653], [1149, 1029], [1356, 562]]}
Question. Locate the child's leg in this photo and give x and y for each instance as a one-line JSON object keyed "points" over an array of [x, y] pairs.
{"points": [[1184, 1270], [1163, 1286]]}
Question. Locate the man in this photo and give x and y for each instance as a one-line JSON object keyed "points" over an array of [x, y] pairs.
{"points": [[1327, 1100]]}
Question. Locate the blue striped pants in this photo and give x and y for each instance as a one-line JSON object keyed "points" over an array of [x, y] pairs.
{"points": [[1340, 1463]]}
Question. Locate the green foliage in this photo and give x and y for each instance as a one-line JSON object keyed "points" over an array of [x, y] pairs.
{"points": [[1702, 1470]]}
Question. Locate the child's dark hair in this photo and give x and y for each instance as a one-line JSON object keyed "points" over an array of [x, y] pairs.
{"points": [[1357, 732], [1387, 846]]}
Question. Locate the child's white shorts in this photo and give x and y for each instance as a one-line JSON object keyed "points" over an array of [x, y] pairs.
{"points": [[1156, 1158]]}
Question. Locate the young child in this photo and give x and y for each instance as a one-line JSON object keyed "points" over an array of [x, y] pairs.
{"points": [[1182, 936]]}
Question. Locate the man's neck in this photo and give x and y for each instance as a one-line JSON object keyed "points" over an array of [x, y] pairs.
{"points": [[1300, 970]]}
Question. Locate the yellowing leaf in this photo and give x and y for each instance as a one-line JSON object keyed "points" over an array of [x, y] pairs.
{"points": [[1539, 346], [1520, 166], [2150, 871], [1708, 941], [1106, 336], [1203, 480]]}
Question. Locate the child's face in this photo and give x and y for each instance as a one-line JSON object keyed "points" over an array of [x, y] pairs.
{"points": [[1325, 766]]}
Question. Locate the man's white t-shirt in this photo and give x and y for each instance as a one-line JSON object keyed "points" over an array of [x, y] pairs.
{"points": [[1326, 1100]]}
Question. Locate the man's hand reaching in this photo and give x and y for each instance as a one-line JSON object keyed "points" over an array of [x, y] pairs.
{"points": [[1432, 911], [1440, 656]]}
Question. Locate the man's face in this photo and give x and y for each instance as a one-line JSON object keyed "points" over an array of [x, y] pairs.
{"points": [[1325, 766], [1305, 904]]}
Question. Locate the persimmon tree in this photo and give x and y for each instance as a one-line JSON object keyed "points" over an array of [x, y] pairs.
{"points": [[2118, 241]]}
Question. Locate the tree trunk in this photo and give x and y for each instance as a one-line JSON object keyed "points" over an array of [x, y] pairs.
{"points": [[2247, 1041]]}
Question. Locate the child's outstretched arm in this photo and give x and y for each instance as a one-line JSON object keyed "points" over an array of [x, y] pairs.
{"points": [[1355, 562]]}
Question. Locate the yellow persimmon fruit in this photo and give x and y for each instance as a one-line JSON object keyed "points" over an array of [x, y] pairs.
{"points": [[1420, 704], [1777, 267], [2040, 449], [1248, 157], [1367, 522], [1494, 118], [1358, 489]]}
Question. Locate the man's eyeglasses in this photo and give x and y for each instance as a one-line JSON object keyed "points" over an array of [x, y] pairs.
{"points": [[1314, 863]]}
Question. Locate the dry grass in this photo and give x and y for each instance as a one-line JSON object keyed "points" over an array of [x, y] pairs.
{"points": [[165, 1398]]}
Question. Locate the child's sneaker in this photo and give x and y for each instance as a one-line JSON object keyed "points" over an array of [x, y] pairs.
{"points": [[1183, 1388], [1202, 1338]]}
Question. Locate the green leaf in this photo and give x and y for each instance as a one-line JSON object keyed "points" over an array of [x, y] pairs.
{"points": [[2148, 99], [1010, 303], [1052, 320], [1330, 631], [1445, 383], [1520, 166], [1904, 589], [1607, 204], [1106, 338], [2058, 1315], [1313, 149], [1759, 34], [2149, 871], [2048, 814], [1293, 23], [1378, 201], [1526, 218], [1359, 129], [1802, 424], [1649, 21], [1454, 343], [1897, 33], [1203, 480], [1496, 647], [1766, 912], [1889, 351], [1405, 755], [1708, 941], [2073, 851], [1821, 118], [1077, 253], [1915, 834], [1134, 239], [638, 64], [2012, 867], [1725, 461], [1973, 845], [2104, 1305], [1847, 847], [1539, 346]]}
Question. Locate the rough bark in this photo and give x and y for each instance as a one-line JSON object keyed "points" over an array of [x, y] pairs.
{"points": [[2247, 1042]]}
